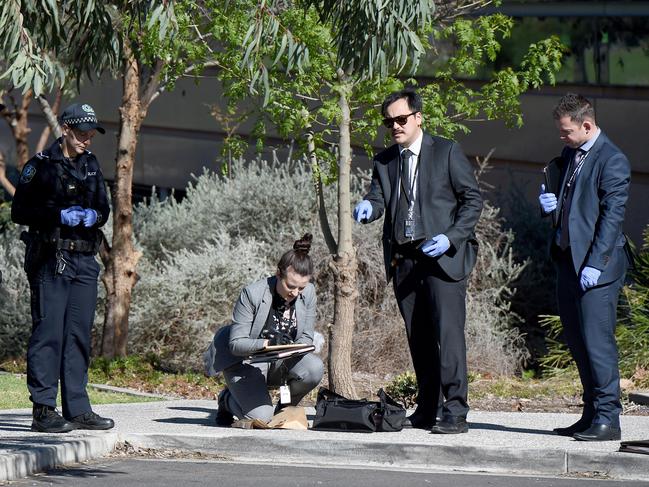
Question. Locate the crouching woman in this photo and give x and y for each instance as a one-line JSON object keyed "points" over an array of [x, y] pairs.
{"points": [[280, 309]]}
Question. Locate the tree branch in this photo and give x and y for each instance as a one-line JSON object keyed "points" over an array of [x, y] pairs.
{"points": [[50, 116], [322, 210]]}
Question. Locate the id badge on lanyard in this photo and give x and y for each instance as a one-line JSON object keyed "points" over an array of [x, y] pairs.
{"points": [[409, 224]]}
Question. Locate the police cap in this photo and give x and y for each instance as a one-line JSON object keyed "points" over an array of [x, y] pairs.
{"points": [[81, 116]]}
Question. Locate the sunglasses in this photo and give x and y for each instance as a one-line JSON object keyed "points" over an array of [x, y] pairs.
{"points": [[401, 120]]}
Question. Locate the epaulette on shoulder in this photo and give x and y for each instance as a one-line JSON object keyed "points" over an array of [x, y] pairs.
{"points": [[41, 155]]}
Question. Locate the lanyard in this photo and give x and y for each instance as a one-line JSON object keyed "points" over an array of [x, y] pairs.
{"points": [[409, 193], [573, 176]]}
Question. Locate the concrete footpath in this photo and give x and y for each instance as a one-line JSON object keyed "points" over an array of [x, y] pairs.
{"points": [[520, 443]]}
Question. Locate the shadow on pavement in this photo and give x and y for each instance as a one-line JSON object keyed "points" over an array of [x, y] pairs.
{"points": [[207, 421], [498, 427]]}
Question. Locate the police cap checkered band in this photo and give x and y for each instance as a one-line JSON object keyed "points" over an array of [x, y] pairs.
{"points": [[81, 116]]}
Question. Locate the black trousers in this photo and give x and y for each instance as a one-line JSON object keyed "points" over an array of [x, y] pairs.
{"points": [[589, 320], [433, 308], [63, 310]]}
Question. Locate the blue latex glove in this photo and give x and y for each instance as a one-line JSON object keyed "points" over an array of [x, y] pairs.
{"points": [[548, 201], [89, 217], [72, 216], [436, 246], [363, 211], [588, 277]]}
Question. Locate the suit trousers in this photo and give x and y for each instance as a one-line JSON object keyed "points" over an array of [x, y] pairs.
{"points": [[433, 307], [589, 320], [248, 397], [63, 311]]}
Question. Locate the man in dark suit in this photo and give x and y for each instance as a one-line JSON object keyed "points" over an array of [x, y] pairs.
{"points": [[427, 189], [588, 248]]}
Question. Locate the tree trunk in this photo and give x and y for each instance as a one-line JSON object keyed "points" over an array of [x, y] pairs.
{"points": [[22, 131], [344, 264], [121, 273], [18, 123]]}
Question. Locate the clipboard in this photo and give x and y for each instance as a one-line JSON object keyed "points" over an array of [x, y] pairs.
{"points": [[281, 348], [552, 176], [266, 355]]}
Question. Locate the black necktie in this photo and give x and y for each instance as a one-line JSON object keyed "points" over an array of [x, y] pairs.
{"points": [[569, 190], [405, 173]]}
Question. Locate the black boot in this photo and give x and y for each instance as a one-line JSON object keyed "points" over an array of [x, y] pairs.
{"points": [[92, 421], [223, 416], [47, 420]]}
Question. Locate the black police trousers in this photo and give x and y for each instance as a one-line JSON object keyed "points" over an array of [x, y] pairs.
{"points": [[63, 311]]}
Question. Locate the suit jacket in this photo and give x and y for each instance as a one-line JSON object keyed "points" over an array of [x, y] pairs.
{"points": [[234, 342], [449, 197], [597, 209]]}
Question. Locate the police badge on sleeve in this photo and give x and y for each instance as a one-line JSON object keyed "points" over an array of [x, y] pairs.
{"points": [[28, 174]]}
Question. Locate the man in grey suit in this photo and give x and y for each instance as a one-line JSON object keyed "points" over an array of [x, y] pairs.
{"points": [[588, 248], [427, 189]]}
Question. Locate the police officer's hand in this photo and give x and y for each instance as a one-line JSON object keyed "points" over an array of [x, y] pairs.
{"points": [[548, 201], [436, 246], [72, 216], [589, 277], [89, 217], [362, 211]]}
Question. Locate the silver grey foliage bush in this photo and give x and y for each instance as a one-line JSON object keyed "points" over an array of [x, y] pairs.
{"points": [[198, 253], [228, 232], [15, 318]]}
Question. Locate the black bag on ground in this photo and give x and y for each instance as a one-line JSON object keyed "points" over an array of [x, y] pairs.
{"points": [[636, 446], [337, 413]]}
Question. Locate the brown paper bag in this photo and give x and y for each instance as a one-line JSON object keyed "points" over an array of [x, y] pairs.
{"points": [[289, 418]]}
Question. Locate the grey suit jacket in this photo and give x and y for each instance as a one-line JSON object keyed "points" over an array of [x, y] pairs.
{"points": [[597, 209], [451, 202], [234, 342]]}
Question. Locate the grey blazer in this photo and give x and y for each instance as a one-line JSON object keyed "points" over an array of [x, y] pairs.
{"points": [[234, 342], [597, 209]]}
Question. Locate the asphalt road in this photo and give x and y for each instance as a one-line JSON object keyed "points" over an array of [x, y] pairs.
{"points": [[118, 472]]}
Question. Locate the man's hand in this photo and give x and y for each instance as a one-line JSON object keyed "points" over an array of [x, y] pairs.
{"points": [[363, 211], [548, 201], [89, 217], [588, 277], [72, 216], [436, 246]]}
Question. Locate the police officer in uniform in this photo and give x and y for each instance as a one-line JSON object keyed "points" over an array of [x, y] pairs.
{"points": [[62, 197]]}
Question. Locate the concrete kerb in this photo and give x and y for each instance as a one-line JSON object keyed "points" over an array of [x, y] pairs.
{"points": [[518, 443], [550, 462], [62, 452], [30, 458]]}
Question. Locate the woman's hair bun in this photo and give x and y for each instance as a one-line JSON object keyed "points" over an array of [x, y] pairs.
{"points": [[303, 244]]}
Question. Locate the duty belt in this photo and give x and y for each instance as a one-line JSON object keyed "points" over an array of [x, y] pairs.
{"points": [[77, 245]]}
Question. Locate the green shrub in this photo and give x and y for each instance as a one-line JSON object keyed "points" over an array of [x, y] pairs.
{"points": [[403, 388]]}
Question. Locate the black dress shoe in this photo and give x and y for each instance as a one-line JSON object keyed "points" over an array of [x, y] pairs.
{"points": [[223, 416], [578, 427], [47, 420], [599, 432], [92, 421], [451, 425], [419, 420]]}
